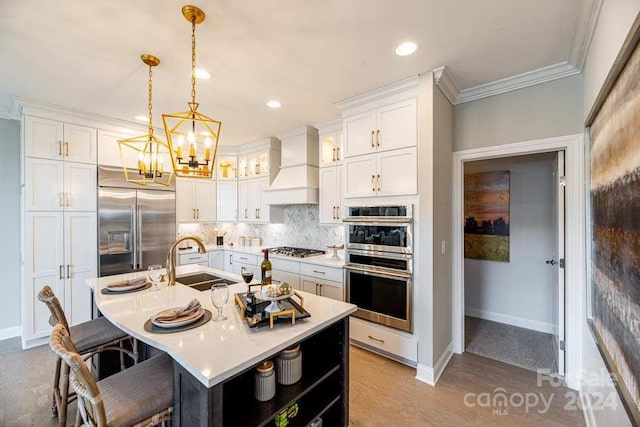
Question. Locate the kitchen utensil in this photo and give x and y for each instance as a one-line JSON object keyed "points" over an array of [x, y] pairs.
{"points": [[265, 380], [153, 273], [219, 298]]}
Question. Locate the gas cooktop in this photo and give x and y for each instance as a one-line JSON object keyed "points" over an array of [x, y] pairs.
{"points": [[295, 252]]}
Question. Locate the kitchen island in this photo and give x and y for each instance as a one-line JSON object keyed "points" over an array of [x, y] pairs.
{"points": [[214, 363]]}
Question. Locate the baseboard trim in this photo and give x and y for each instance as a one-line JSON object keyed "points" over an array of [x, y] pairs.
{"points": [[520, 322], [587, 410], [430, 375], [12, 332]]}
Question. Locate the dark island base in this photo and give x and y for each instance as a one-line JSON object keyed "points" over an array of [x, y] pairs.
{"points": [[322, 392]]}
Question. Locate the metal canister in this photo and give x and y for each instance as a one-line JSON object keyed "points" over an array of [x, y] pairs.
{"points": [[265, 381], [289, 365]]}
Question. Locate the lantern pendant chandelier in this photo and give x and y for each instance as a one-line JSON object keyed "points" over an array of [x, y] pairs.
{"points": [[200, 132], [148, 150]]}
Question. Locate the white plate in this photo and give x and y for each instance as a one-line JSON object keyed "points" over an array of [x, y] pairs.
{"points": [[176, 324], [265, 297], [125, 288]]}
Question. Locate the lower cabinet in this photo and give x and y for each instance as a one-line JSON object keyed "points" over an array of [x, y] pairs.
{"points": [[393, 343], [321, 287], [216, 259], [242, 260], [193, 258], [284, 276]]}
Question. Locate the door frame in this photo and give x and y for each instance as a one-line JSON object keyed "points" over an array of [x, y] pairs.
{"points": [[575, 271]]}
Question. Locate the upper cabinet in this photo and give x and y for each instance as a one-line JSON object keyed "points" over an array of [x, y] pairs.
{"points": [[51, 139], [227, 206], [263, 162], [195, 200], [227, 167], [331, 148], [391, 173], [109, 150], [251, 204], [381, 129]]}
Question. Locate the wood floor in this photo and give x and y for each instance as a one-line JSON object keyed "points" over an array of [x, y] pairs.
{"points": [[386, 393]]}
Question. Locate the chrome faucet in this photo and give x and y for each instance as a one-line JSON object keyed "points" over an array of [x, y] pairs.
{"points": [[171, 256]]}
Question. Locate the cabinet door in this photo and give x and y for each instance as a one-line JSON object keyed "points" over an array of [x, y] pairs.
{"points": [[284, 276], [80, 144], [262, 168], [255, 199], [44, 185], [339, 192], [228, 261], [264, 209], [331, 290], [398, 125], [205, 200], [360, 176], [327, 153], [310, 285], [243, 167], [216, 260], [359, 134], [80, 187], [227, 204], [238, 266], [43, 138], [43, 265], [109, 150], [80, 252], [328, 198], [185, 211], [398, 173], [243, 201]]}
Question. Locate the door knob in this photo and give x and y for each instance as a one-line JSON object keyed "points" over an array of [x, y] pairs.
{"points": [[551, 262]]}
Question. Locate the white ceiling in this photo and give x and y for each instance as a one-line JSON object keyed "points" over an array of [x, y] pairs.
{"points": [[306, 53]]}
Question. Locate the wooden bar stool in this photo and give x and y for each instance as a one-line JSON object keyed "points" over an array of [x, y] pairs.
{"points": [[138, 396], [90, 337]]}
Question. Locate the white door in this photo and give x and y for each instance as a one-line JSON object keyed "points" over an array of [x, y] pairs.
{"points": [[397, 173], [80, 187], [331, 290], [216, 260], [205, 200], [43, 265], [284, 276], [360, 176], [255, 199], [328, 197], [43, 185], [264, 209], [109, 150], [185, 210], [398, 126], [359, 134], [80, 144], [80, 252], [310, 285], [558, 256], [228, 261], [43, 138], [243, 200], [227, 206]]}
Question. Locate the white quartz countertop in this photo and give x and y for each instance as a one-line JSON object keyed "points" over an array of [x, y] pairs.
{"points": [[214, 351]]}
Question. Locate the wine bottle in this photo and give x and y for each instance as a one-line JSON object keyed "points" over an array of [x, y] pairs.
{"points": [[265, 267]]}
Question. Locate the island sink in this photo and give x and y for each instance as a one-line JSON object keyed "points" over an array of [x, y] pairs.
{"points": [[202, 281]]}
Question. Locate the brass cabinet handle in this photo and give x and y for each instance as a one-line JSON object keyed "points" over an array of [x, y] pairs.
{"points": [[256, 214], [245, 214], [337, 212], [320, 284], [378, 182], [334, 212], [68, 271], [338, 153], [319, 272], [372, 143], [68, 199], [197, 213], [373, 186], [246, 171], [61, 275], [317, 289], [257, 168], [376, 339], [378, 137], [193, 214], [61, 199], [60, 148], [333, 156], [66, 148]]}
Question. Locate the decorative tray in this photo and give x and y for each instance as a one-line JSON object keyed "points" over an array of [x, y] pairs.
{"points": [[291, 310]]}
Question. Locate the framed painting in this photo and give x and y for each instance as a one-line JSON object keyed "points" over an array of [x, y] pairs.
{"points": [[486, 216], [614, 130]]}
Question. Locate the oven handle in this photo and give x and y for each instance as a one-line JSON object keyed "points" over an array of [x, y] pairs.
{"points": [[378, 220], [378, 272]]}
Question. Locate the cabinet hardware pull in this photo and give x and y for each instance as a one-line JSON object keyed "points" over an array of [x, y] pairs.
{"points": [[333, 156], [197, 213], [319, 272], [317, 289], [378, 137], [372, 143], [193, 214], [337, 212], [338, 153], [61, 276], [376, 339], [61, 199], [334, 212], [373, 186], [60, 148], [320, 289], [68, 271], [245, 214], [378, 182], [66, 148], [68, 199], [243, 258], [246, 171]]}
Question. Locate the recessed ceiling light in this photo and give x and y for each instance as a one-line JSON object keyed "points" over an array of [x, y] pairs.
{"points": [[202, 74], [142, 118], [274, 104], [406, 48]]}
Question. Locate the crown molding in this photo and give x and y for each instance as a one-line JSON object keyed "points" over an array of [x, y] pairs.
{"points": [[446, 83], [519, 81], [5, 112], [405, 87], [326, 126], [584, 25]]}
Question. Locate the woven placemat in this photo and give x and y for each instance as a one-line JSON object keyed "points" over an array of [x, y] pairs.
{"points": [[109, 292], [150, 327]]}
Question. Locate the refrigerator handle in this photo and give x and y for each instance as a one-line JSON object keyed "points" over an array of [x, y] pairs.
{"points": [[139, 237], [134, 238]]}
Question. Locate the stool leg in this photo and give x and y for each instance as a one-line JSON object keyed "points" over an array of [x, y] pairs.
{"points": [[64, 397], [134, 346], [121, 356], [56, 384]]}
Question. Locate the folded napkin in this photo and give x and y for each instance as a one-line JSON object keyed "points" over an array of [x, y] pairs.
{"points": [[179, 314], [126, 283]]}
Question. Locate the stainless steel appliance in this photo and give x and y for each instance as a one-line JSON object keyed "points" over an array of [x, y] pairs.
{"points": [[379, 264], [295, 252], [136, 225]]}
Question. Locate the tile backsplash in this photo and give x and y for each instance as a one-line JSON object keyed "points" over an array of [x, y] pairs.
{"points": [[300, 229]]}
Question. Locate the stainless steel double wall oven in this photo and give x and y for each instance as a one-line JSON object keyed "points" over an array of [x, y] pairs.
{"points": [[379, 263]]}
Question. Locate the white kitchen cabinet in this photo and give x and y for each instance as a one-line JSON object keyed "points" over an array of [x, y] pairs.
{"points": [[330, 207], [193, 258], [195, 200], [255, 198], [386, 128], [216, 259], [285, 270], [255, 164], [251, 203], [284, 276], [322, 287], [243, 201], [228, 261], [109, 150], [331, 148], [227, 167], [227, 206], [60, 250], [241, 260], [51, 139], [390, 173], [51, 185]]}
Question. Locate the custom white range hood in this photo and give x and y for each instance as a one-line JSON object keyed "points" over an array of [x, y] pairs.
{"points": [[297, 181]]}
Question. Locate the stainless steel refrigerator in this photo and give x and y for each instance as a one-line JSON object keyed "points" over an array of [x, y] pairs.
{"points": [[136, 224]]}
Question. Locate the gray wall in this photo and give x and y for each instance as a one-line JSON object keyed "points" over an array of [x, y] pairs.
{"points": [[522, 291], [10, 223], [541, 111]]}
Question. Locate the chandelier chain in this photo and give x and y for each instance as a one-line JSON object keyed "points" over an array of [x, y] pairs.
{"points": [[193, 59], [150, 95]]}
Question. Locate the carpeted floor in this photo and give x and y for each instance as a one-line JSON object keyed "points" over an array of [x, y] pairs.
{"points": [[521, 347]]}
